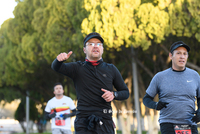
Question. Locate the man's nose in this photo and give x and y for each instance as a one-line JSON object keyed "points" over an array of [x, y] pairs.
{"points": [[183, 55]]}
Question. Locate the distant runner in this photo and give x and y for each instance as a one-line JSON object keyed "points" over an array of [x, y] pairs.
{"points": [[58, 109]]}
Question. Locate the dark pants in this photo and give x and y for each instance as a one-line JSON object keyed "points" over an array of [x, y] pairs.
{"points": [[168, 128], [81, 127]]}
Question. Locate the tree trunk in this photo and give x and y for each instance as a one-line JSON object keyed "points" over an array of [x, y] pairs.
{"points": [[152, 123], [22, 125], [122, 124], [128, 122], [41, 125], [31, 123]]}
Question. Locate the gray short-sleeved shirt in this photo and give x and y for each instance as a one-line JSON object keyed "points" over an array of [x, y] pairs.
{"points": [[179, 89]]}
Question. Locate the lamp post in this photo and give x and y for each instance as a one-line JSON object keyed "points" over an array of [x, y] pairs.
{"points": [[27, 112], [136, 94]]}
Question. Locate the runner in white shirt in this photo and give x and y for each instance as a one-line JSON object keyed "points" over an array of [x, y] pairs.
{"points": [[58, 109]]}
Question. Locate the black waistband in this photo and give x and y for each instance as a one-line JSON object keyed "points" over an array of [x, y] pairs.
{"points": [[105, 114]]}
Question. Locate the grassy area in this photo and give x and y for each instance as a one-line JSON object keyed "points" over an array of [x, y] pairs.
{"points": [[135, 132], [143, 132], [36, 133], [118, 132]]}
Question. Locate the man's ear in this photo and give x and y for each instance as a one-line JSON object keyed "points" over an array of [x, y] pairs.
{"points": [[84, 50], [170, 55]]}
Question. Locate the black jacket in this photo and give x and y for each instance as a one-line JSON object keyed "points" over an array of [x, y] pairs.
{"points": [[88, 81]]}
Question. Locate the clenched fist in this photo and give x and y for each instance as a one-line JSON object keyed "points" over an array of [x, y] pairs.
{"points": [[108, 95], [63, 56]]}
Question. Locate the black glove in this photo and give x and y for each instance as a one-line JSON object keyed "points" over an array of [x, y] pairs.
{"points": [[52, 115], [65, 116], [196, 118], [161, 105]]}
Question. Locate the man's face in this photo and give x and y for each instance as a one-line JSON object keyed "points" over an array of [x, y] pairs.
{"points": [[58, 90], [93, 53], [179, 58]]}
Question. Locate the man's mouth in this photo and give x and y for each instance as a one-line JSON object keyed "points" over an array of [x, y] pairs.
{"points": [[182, 61], [96, 51]]}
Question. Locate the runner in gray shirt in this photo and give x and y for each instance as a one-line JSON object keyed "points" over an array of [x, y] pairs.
{"points": [[177, 88]]}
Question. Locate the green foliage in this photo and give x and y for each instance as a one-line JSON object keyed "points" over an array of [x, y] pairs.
{"points": [[20, 113], [112, 19], [126, 22], [152, 23], [8, 94], [184, 18], [25, 52]]}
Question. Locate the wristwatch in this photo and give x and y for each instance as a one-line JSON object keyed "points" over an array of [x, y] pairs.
{"points": [[115, 94]]}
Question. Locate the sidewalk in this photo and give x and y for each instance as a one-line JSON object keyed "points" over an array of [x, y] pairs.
{"points": [[9, 126]]}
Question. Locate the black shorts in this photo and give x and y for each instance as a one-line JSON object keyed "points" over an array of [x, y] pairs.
{"points": [[81, 125], [168, 128]]}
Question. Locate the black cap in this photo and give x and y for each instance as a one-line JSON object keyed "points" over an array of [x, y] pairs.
{"points": [[179, 44], [93, 35]]}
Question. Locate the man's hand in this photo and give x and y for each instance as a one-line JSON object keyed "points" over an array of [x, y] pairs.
{"points": [[52, 115], [107, 96], [196, 118], [63, 56], [161, 105], [65, 116]]}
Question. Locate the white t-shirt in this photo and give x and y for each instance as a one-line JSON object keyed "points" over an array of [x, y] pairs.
{"points": [[62, 106]]}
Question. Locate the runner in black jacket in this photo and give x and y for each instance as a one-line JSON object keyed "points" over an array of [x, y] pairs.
{"points": [[93, 80]]}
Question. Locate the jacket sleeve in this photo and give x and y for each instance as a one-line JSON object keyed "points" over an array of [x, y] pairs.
{"points": [[122, 92], [47, 115], [56, 65], [71, 114], [67, 69], [148, 101]]}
